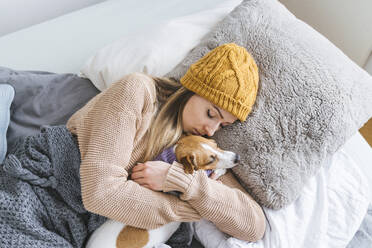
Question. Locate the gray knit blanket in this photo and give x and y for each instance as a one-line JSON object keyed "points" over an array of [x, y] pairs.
{"points": [[40, 197]]}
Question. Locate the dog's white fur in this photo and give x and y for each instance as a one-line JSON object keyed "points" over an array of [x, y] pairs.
{"points": [[226, 160]]}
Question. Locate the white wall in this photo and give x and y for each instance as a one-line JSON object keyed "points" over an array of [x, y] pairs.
{"points": [[19, 14], [346, 23]]}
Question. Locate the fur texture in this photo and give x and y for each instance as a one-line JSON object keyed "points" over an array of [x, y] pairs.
{"points": [[311, 99]]}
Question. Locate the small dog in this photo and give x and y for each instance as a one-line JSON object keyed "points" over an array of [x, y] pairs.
{"points": [[195, 153], [199, 153]]}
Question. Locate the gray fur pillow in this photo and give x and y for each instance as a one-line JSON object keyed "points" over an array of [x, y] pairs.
{"points": [[311, 99]]}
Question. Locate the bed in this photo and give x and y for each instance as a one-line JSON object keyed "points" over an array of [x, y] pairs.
{"points": [[333, 203]]}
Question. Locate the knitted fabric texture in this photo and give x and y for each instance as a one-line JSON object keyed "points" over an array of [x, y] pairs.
{"points": [[40, 194], [167, 155], [228, 77], [111, 131]]}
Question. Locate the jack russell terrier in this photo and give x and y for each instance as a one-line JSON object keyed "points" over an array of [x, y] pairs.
{"points": [[194, 153], [199, 153]]}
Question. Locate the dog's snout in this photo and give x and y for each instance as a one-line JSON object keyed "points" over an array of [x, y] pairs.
{"points": [[237, 158]]}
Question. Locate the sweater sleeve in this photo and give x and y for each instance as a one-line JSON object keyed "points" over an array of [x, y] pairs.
{"points": [[223, 202], [106, 136]]}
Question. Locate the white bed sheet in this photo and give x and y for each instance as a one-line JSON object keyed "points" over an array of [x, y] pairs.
{"points": [[361, 152], [327, 214]]}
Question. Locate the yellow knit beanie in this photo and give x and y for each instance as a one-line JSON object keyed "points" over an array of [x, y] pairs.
{"points": [[228, 77]]}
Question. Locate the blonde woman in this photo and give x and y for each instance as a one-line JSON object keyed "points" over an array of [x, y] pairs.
{"points": [[122, 129]]}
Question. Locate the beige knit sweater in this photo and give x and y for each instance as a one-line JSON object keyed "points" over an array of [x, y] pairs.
{"points": [[111, 132]]}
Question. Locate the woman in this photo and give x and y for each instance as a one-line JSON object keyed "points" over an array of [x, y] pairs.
{"points": [[136, 118]]}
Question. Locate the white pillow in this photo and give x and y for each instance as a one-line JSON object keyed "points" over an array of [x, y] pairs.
{"points": [[6, 98], [156, 51]]}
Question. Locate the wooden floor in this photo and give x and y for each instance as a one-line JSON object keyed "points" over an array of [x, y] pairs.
{"points": [[366, 131]]}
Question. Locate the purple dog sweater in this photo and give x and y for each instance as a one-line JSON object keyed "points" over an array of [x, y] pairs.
{"points": [[169, 157]]}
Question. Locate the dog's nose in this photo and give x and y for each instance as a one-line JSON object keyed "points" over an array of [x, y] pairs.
{"points": [[237, 158]]}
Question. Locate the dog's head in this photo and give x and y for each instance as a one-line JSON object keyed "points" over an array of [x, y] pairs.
{"points": [[198, 153]]}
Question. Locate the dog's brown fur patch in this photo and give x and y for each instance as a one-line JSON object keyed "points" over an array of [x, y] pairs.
{"points": [[131, 237]]}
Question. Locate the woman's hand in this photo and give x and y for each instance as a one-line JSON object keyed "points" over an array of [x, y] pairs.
{"points": [[150, 174]]}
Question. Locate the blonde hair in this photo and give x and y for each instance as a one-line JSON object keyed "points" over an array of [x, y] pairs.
{"points": [[166, 126]]}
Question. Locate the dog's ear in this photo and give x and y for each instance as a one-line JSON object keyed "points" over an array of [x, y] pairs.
{"points": [[188, 164]]}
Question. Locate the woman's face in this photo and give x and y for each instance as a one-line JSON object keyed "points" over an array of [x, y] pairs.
{"points": [[201, 117]]}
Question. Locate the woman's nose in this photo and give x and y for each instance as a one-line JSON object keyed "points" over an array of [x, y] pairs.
{"points": [[211, 129]]}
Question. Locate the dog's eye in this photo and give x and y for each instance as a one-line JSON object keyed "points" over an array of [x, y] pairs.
{"points": [[213, 158]]}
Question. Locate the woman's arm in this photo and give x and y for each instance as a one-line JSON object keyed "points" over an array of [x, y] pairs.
{"points": [[226, 204], [106, 134]]}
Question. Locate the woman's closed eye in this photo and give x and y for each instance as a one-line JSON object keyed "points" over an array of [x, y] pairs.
{"points": [[213, 158], [210, 116]]}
